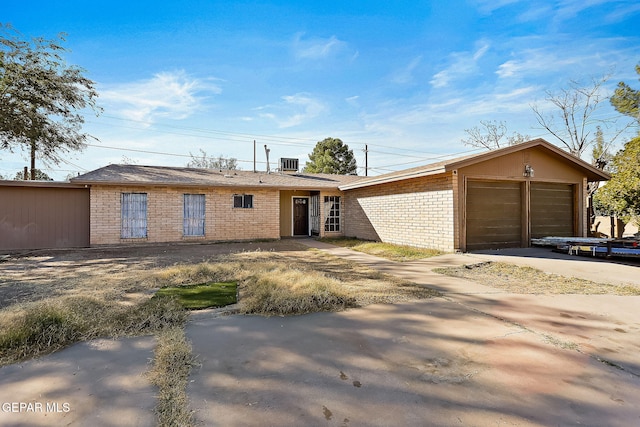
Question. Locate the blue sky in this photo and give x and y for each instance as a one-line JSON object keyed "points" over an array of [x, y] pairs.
{"points": [[407, 78]]}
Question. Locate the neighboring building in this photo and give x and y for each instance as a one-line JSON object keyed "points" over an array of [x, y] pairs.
{"points": [[495, 199], [43, 214]]}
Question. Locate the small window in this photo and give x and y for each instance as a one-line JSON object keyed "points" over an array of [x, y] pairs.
{"points": [[194, 209], [243, 201], [331, 213], [133, 215]]}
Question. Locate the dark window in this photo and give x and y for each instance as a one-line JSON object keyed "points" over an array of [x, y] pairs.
{"points": [[243, 201], [134, 215], [194, 208]]}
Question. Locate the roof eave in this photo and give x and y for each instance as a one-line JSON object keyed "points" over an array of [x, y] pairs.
{"points": [[388, 179], [205, 185]]}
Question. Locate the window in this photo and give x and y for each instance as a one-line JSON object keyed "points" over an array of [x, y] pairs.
{"points": [[243, 201], [134, 215], [331, 213], [193, 219]]}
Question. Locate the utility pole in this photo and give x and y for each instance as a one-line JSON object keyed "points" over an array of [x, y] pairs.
{"points": [[254, 156], [366, 160]]}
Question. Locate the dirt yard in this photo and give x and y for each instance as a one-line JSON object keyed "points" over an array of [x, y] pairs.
{"points": [[39, 274], [127, 274]]}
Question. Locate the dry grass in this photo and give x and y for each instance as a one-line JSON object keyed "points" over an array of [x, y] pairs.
{"points": [[528, 280], [284, 291], [385, 250], [45, 326], [172, 364]]}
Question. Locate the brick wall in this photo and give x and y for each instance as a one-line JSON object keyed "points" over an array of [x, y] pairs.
{"points": [[416, 212], [165, 214]]}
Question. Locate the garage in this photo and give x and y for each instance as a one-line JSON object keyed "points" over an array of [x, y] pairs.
{"points": [[39, 215], [497, 214], [495, 199]]}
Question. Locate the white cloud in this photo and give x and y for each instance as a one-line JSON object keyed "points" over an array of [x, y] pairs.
{"points": [[174, 95], [353, 100], [294, 110], [462, 64], [489, 6], [405, 75], [317, 48], [566, 58]]}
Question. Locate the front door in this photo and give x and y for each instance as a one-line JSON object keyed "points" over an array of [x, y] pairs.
{"points": [[300, 216]]}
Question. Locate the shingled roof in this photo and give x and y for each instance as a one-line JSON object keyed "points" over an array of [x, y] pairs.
{"points": [[136, 175], [592, 173]]}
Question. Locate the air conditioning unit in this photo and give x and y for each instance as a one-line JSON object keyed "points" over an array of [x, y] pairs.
{"points": [[288, 165]]}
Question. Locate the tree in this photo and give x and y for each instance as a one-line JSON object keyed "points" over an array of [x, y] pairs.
{"points": [[627, 100], [39, 176], [621, 195], [572, 121], [601, 158], [333, 156], [600, 154], [203, 161], [491, 134], [40, 98]]}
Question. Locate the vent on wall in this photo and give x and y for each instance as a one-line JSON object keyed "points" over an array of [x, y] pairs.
{"points": [[288, 165]]}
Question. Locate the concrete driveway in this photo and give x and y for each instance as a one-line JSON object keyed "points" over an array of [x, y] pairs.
{"points": [[476, 356]]}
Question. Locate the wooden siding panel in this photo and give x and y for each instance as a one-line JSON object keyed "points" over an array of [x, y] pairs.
{"points": [[39, 218]]}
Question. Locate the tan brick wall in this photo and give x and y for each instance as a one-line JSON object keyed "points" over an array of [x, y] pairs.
{"points": [[165, 211], [417, 212]]}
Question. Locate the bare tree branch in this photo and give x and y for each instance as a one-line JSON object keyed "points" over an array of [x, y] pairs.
{"points": [[490, 135]]}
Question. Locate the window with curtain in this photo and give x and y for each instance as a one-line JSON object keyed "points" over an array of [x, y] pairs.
{"points": [[134, 215], [331, 213], [194, 208]]}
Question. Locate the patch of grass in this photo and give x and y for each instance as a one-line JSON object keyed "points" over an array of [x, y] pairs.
{"points": [[385, 250], [296, 283], [206, 295], [528, 280], [172, 364], [46, 326]]}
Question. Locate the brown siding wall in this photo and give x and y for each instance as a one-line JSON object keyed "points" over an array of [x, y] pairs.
{"points": [[417, 212], [38, 218], [165, 214]]}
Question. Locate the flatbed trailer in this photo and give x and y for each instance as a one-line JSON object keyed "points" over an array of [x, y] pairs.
{"points": [[628, 247]]}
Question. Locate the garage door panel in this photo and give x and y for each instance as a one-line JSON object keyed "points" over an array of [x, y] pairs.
{"points": [[493, 214], [552, 210]]}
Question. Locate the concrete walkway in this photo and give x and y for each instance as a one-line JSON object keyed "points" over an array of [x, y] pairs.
{"points": [[98, 383], [476, 356]]}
